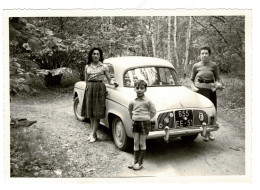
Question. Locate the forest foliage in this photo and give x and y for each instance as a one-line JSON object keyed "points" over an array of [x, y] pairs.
{"points": [[47, 47]]}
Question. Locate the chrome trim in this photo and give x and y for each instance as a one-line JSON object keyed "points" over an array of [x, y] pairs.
{"points": [[181, 131]]}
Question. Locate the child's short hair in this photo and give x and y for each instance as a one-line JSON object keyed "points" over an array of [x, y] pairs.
{"points": [[139, 83]]}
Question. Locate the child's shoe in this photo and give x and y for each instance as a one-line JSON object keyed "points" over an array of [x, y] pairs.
{"points": [[131, 166], [206, 138], [136, 156], [211, 137], [137, 166]]}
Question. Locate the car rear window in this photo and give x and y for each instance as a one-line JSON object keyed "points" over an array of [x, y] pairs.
{"points": [[154, 76]]}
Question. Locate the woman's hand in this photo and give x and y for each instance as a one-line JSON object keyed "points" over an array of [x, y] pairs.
{"points": [[194, 88], [217, 86], [111, 82]]}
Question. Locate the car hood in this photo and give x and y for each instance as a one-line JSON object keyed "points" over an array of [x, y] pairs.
{"points": [[165, 98]]}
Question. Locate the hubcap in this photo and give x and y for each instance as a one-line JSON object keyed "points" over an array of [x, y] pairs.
{"points": [[119, 132]]}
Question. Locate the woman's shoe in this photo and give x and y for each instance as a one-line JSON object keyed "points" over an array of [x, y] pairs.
{"points": [[89, 137], [137, 166]]}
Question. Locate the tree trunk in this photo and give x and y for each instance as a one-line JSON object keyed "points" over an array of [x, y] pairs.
{"points": [[175, 42], [187, 46], [110, 29], [153, 36], [144, 38], [158, 46], [169, 39]]}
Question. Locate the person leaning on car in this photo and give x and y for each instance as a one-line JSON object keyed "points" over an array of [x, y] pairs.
{"points": [[205, 79], [95, 71]]}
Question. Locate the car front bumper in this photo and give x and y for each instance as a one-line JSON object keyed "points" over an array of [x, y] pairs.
{"points": [[167, 132]]}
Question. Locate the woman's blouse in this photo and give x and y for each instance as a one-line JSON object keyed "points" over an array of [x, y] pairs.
{"points": [[205, 73], [96, 72]]}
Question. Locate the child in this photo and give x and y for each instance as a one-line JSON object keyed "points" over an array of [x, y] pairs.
{"points": [[141, 111]]}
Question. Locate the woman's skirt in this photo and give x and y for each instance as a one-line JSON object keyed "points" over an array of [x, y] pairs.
{"points": [[95, 100], [212, 95]]}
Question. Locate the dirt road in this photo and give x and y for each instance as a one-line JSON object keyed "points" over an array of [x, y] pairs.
{"points": [[62, 149]]}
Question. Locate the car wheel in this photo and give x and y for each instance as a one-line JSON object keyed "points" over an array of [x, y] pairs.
{"points": [[189, 138], [120, 138], [77, 110]]}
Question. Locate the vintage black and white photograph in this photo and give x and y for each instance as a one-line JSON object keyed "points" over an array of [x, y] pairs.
{"points": [[141, 94]]}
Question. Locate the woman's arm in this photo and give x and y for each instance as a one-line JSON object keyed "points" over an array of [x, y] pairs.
{"points": [[193, 75], [108, 76], [217, 84], [216, 73], [193, 87], [86, 74]]}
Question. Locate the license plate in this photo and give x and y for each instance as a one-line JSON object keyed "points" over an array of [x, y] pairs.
{"points": [[183, 118]]}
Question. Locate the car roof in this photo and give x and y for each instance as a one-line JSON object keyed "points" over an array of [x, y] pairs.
{"points": [[135, 61]]}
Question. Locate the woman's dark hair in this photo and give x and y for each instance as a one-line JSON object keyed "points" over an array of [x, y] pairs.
{"points": [[91, 52], [206, 48]]}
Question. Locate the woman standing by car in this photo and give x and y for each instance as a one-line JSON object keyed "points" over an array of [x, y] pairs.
{"points": [[95, 71], [205, 79]]}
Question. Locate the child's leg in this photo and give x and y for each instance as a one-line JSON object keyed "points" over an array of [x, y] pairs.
{"points": [[136, 147], [136, 150], [136, 141], [143, 148]]}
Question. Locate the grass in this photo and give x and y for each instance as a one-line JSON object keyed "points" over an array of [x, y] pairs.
{"points": [[233, 96], [231, 100], [24, 152]]}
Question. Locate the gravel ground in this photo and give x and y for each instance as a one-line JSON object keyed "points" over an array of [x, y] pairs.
{"points": [[57, 143]]}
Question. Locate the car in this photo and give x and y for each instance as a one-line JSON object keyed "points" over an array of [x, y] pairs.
{"points": [[181, 112]]}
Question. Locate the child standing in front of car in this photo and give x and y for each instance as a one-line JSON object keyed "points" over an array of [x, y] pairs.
{"points": [[141, 111]]}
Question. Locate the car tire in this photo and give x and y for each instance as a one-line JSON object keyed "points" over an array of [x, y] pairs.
{"points": [[189, 138], [122, 141], [76, 108]]}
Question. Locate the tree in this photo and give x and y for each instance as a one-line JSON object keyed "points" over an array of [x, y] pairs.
{"points": [[169, 39], [188, 39], [175, 42]]}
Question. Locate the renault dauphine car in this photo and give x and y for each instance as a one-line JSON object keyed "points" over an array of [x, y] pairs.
{"points": [[180, 111]]}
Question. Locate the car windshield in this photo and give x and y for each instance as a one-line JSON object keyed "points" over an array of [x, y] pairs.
{"points": [[154, 76]]}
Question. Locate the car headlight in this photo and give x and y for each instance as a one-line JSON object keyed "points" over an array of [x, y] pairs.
{"points": [[201, 117], [166, 120]]}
